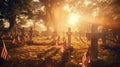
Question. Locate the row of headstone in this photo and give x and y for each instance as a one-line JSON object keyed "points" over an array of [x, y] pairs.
{"points": [[21, 37], [55, 39], [114, 35]]}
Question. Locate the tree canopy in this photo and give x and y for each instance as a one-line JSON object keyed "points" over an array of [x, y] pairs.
{"points": [[10, 9], [53, 12]]}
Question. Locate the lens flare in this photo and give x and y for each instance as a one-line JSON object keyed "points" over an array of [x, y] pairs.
{"points": [[73, 19]]}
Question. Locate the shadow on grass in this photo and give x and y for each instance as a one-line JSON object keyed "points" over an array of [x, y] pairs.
{"points": [[65, 58]]}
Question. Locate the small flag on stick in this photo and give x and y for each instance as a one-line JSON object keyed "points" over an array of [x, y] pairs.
{"points": [[86, 59], [3, 50]]}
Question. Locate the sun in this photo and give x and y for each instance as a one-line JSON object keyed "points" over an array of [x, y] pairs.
{"points": [[73, 19], [35, 0]]}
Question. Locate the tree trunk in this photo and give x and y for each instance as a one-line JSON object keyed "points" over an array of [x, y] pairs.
{"points": [[12, 21]]}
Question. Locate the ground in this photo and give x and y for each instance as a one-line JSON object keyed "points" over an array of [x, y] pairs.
{"points": [[42, 54]]}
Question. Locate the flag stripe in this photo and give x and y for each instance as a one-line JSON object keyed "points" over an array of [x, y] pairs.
{"points": [[85, 60], [4, 52]]}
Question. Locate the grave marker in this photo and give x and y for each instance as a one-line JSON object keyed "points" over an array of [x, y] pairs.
{"points": [[64, 46], [69, 33], [94, 36], [57, 40], [31, 31], [30, 36]]}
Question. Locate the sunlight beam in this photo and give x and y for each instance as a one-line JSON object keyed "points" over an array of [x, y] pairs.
{"points": [[73, 19]]}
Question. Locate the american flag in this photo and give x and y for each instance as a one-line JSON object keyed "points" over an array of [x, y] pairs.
{"points": [[85, 59], [3, 50]]}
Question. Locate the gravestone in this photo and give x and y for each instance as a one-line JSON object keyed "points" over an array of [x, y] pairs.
{"points": [[94, 36], [69, 33], [64, 46], [30, 35], [57, 40], [31, 31], [69, 45], [104, 31], [23, 35], [54, 38]]}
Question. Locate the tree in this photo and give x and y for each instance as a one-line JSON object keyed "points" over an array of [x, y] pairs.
{"points": [[10, 9], [50, 7]]}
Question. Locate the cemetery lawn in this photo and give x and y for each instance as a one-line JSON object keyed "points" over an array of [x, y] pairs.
{"points": [[43, 54]]}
